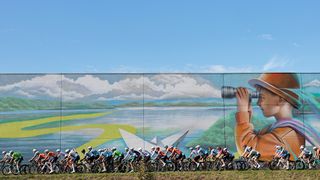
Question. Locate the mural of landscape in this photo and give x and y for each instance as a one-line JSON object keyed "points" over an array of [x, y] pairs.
{"points": [[50, 111]]}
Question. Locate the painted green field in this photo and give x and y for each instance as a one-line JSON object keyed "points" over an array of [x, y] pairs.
{"points": [[261, 174]]}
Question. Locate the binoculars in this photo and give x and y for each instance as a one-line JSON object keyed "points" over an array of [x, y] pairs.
{"points": [[229, 92]]}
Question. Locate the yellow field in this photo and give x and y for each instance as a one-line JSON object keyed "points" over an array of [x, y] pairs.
{"points": [[110, 131]]}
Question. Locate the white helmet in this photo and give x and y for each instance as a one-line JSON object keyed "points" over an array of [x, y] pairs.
{"points": [[46, 151], [191, 148], [58, 150], [315, 148], [36, 153], [198, 146], [4, 152], [278, 147], [113, 149], [67, 150], [10, 152], [89, 148], [140, 149], [301, 147], [225, 149], [153, 147], [100, 150], [34, 150]]}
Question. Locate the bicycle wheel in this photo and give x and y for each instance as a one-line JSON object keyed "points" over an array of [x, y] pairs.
{"points": [[300, 165], [192, 166], [170, 166], [24, 169], [9, 169]]}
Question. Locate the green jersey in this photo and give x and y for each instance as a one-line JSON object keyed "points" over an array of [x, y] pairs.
{"points": [[116, 154], [16, 155]]}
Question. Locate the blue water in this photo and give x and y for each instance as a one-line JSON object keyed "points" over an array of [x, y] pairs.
{"points": [[157, 121]]}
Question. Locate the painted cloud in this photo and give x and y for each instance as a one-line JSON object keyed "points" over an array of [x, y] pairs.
{"points": [[129, 88]]}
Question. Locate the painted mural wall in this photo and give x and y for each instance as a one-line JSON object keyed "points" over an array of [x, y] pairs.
{"points": [[51, 111]]}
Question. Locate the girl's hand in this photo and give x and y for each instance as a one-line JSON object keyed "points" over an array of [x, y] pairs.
{"points": [[243, 99]]}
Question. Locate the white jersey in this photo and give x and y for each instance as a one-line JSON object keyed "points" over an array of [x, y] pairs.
{"points": [[194, 153], [73, 154]]}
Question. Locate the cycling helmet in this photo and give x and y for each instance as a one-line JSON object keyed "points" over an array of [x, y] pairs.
{"points": [[114, 148], [140, 149], [36, 153], [171, 147], [131, 149], [191, 148], [100, 150], [34, 150], [278, 147], [67, 150], [46, 151], [10, 152], [198, 146], [4, 152], [166, 146], [225, 149], [126, 149], [315, 148], [58, 150], [89, 148], [152, 148], [301, 147]]}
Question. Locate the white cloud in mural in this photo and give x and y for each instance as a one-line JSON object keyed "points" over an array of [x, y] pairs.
{"points": [[314, 83], [130, 88]]}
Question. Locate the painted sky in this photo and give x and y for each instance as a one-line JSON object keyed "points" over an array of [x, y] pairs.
{"points": [[159, 36]]}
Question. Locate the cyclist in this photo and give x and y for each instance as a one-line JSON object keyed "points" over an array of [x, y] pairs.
{"points": [[130, 157], [60, 155], [246, 151], [73, 157], [105, 157], [305, 155], [213, 153], [178, 156], [283, 154], [16, 158], [50, 158], [116, 154], [168, 150], [194, 155], [6, 157], [94, 154], [144, 154], [161, 156], [254, 155], [34, 155], [227, 156]]}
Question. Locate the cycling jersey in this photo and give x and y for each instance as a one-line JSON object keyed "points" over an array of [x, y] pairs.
{"points": [[6, 157], [213, 152], [177, 151], [50, 155], [194, 153], [202, 152], [41, 156], [17, 156], [94, 153], [169, 151], [106, 154], [116, 154]]}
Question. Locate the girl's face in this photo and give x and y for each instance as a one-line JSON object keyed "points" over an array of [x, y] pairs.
{"points": [[268, 102]]}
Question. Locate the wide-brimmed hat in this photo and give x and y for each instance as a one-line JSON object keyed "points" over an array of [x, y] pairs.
{"points": [[281, 84]]}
